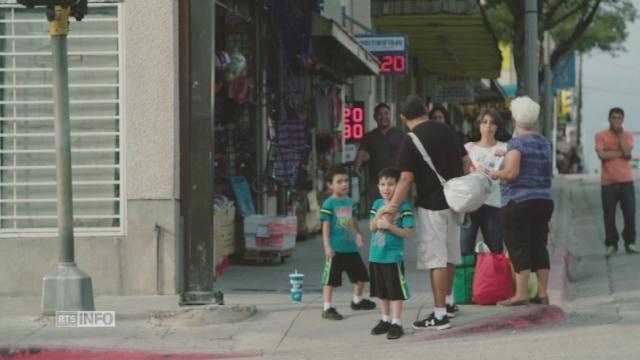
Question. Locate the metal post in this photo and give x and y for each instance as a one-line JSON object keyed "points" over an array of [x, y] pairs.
{"points": [[554, 138], [67, 288], [261, 109], [63, 146], [531, 49], [199, 217], [579, 110], [548, 78]]}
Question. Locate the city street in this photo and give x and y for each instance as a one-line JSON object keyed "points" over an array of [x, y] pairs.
{"points": [[602, 312], [167, 167]]}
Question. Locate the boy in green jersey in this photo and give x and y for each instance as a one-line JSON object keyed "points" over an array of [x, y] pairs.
{"points": [[341, 239], [386, 267]]}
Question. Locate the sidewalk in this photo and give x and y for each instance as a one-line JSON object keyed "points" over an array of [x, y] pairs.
{"points": [[278, 326]]}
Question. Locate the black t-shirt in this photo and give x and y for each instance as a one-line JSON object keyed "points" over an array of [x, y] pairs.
{"points": [[445, 151], [382, 149]]}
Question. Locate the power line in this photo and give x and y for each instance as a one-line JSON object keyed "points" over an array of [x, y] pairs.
{"points": [[616, 66], [623, 92]]}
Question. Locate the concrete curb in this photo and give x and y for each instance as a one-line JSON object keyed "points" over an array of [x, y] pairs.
{"points": [[201, 315], [517, 319], [559, 284], [51, 353]]}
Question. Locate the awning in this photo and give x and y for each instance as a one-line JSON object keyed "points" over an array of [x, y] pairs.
{"points": [[452, 44], [339, 51]]}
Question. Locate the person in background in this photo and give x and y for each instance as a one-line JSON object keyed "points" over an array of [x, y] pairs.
{"points": [[440, 114], [614, 147], [382, 145], [486, 153], [527, 202]]}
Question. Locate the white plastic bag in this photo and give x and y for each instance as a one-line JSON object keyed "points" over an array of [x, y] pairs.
{"points": [[467, 193], [463, 194]]}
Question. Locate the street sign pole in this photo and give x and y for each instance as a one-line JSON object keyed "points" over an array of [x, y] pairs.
{"points": [[548, 79], [531, 48], [66, 288]]}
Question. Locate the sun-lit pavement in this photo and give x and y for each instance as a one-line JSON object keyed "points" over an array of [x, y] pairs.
{"points": [[603, 309]]}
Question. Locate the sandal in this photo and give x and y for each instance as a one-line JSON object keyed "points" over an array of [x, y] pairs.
{"points": [[511, 302], [539, 300]]}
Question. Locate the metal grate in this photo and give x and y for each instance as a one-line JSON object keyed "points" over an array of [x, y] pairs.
{"points": [[27, 149]]}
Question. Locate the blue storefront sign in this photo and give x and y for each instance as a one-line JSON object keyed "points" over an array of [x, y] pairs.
{"points": [[390, 49]]}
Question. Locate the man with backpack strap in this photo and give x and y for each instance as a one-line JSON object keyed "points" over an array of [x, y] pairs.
{"points": [[437, 229]]}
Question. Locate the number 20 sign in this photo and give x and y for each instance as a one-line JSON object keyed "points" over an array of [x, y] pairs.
{"points": [[390, 49]]}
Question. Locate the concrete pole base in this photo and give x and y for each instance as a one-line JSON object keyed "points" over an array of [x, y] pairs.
{"points": [[201, 298], [66, 289]]}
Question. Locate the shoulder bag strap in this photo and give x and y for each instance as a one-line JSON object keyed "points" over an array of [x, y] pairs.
{"points": [[425, 156]]}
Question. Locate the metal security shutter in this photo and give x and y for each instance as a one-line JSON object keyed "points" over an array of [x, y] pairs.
{"points": [[27, 156]]}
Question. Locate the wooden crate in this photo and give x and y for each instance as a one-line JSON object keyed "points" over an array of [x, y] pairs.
{"points": [[267, 257]]}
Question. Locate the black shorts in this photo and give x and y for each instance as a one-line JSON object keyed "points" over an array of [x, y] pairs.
{"points": [[388, 281], [350, 262]]}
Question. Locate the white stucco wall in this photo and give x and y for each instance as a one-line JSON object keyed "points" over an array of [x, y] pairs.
{"points": [[142, 261], [151, 85]]}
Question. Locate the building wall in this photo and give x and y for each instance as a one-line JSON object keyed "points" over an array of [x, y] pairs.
{"points": [[147, 259], [364, 86], [152, 84]]}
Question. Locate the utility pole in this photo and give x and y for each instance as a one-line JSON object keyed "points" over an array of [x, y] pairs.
{"points": [[66, 288], [579, 112], [579, 120], [548, 79], [198, 287], [531, 48]]}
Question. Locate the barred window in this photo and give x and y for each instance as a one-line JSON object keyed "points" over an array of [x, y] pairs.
{"points": [[27, 148]]}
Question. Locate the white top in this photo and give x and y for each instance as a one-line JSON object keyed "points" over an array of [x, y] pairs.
{"points": [[485, 157]]}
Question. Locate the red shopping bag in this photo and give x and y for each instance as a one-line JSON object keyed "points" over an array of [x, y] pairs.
{"points": [[493, 281]]}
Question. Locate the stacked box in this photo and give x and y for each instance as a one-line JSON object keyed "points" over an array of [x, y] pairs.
{"points": [[270, 233], [223, 232]]}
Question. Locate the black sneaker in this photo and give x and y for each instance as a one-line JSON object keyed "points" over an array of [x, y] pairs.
{"points": [[395, 332], [364, 304], [381, 328], [432, 323], [331, 314], [452, 310]]}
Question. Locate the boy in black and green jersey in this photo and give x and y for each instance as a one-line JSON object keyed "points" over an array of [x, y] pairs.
{"points": [[341, 239], [386, 267]]}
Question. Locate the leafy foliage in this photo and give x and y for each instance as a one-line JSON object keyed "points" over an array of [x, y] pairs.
{"points": [[582, 25]]}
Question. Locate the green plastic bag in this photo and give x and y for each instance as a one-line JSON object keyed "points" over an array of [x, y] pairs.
{"points": [[463, 281]]}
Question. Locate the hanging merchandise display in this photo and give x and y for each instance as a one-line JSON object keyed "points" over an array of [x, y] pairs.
{"points": [[293, 149], [222, 60], [234, 117], [237, 65]]}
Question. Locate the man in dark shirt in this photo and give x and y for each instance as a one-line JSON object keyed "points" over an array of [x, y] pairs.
{"points": [[382, 145], [437, 232]]}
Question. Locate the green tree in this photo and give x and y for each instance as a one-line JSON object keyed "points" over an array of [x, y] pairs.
{"points": [[581, 25]]}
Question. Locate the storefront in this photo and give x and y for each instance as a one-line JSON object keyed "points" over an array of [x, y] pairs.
{"points": [[455, 55]]}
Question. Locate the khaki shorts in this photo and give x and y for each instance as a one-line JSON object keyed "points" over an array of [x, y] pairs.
{"points": [[438, 239]]}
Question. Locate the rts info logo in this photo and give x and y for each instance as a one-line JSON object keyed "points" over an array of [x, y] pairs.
{"points": [[85, 318]]}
